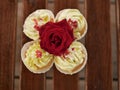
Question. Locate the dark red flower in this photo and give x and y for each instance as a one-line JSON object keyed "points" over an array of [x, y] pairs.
{"points": [[56, 37]]}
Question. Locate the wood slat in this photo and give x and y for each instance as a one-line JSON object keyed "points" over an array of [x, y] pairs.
{"points": [[118, 38], [98, 43], [62, 81], [65, 82], [59, 4], [28, 80], [8, 17]]}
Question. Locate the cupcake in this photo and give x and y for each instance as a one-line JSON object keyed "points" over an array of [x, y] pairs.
{"points": [[54, 41], [36, 59], [35, 20], [73, 60], [76, 20]]}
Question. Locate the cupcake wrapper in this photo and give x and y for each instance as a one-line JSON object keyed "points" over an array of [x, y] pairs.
{"points": [[77, 58], [75, 69], [39, 17], [40, 70], [82, 32]]}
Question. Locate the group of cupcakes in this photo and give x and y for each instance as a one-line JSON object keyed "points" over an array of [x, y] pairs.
{"points": [[54, 40]]}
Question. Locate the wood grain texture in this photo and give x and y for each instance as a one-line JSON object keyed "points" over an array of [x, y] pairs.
{"points": [[62, 81], [28, 80], [118, 38], [98, 43], [59, 4], [65, 82], [8, 17]]}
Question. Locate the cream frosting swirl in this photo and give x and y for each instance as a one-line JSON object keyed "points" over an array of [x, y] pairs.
{"points": [[76, 56], [39, 17], [35, 63], [75, 17], [38, 60]]}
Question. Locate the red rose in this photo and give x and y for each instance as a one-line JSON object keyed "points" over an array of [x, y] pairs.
{"points": [[56, 37]]}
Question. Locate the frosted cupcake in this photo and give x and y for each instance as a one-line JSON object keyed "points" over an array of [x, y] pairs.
{"points": [[73, 60], [54, 41], [36, 59], [76, 21], [35, 20]]}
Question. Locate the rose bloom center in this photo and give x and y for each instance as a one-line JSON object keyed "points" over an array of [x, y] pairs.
{"points": [[55, 40]]}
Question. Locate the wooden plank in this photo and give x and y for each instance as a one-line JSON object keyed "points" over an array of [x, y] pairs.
{"points": [[28, 80], [59, 5], [118, 38], [65, 82], [62, 81], [98, 43], [8, 17]]}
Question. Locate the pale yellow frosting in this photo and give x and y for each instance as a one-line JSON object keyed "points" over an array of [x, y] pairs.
{"points": [[76, 56], [74, 15], [33, 62], [42, 16]]}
